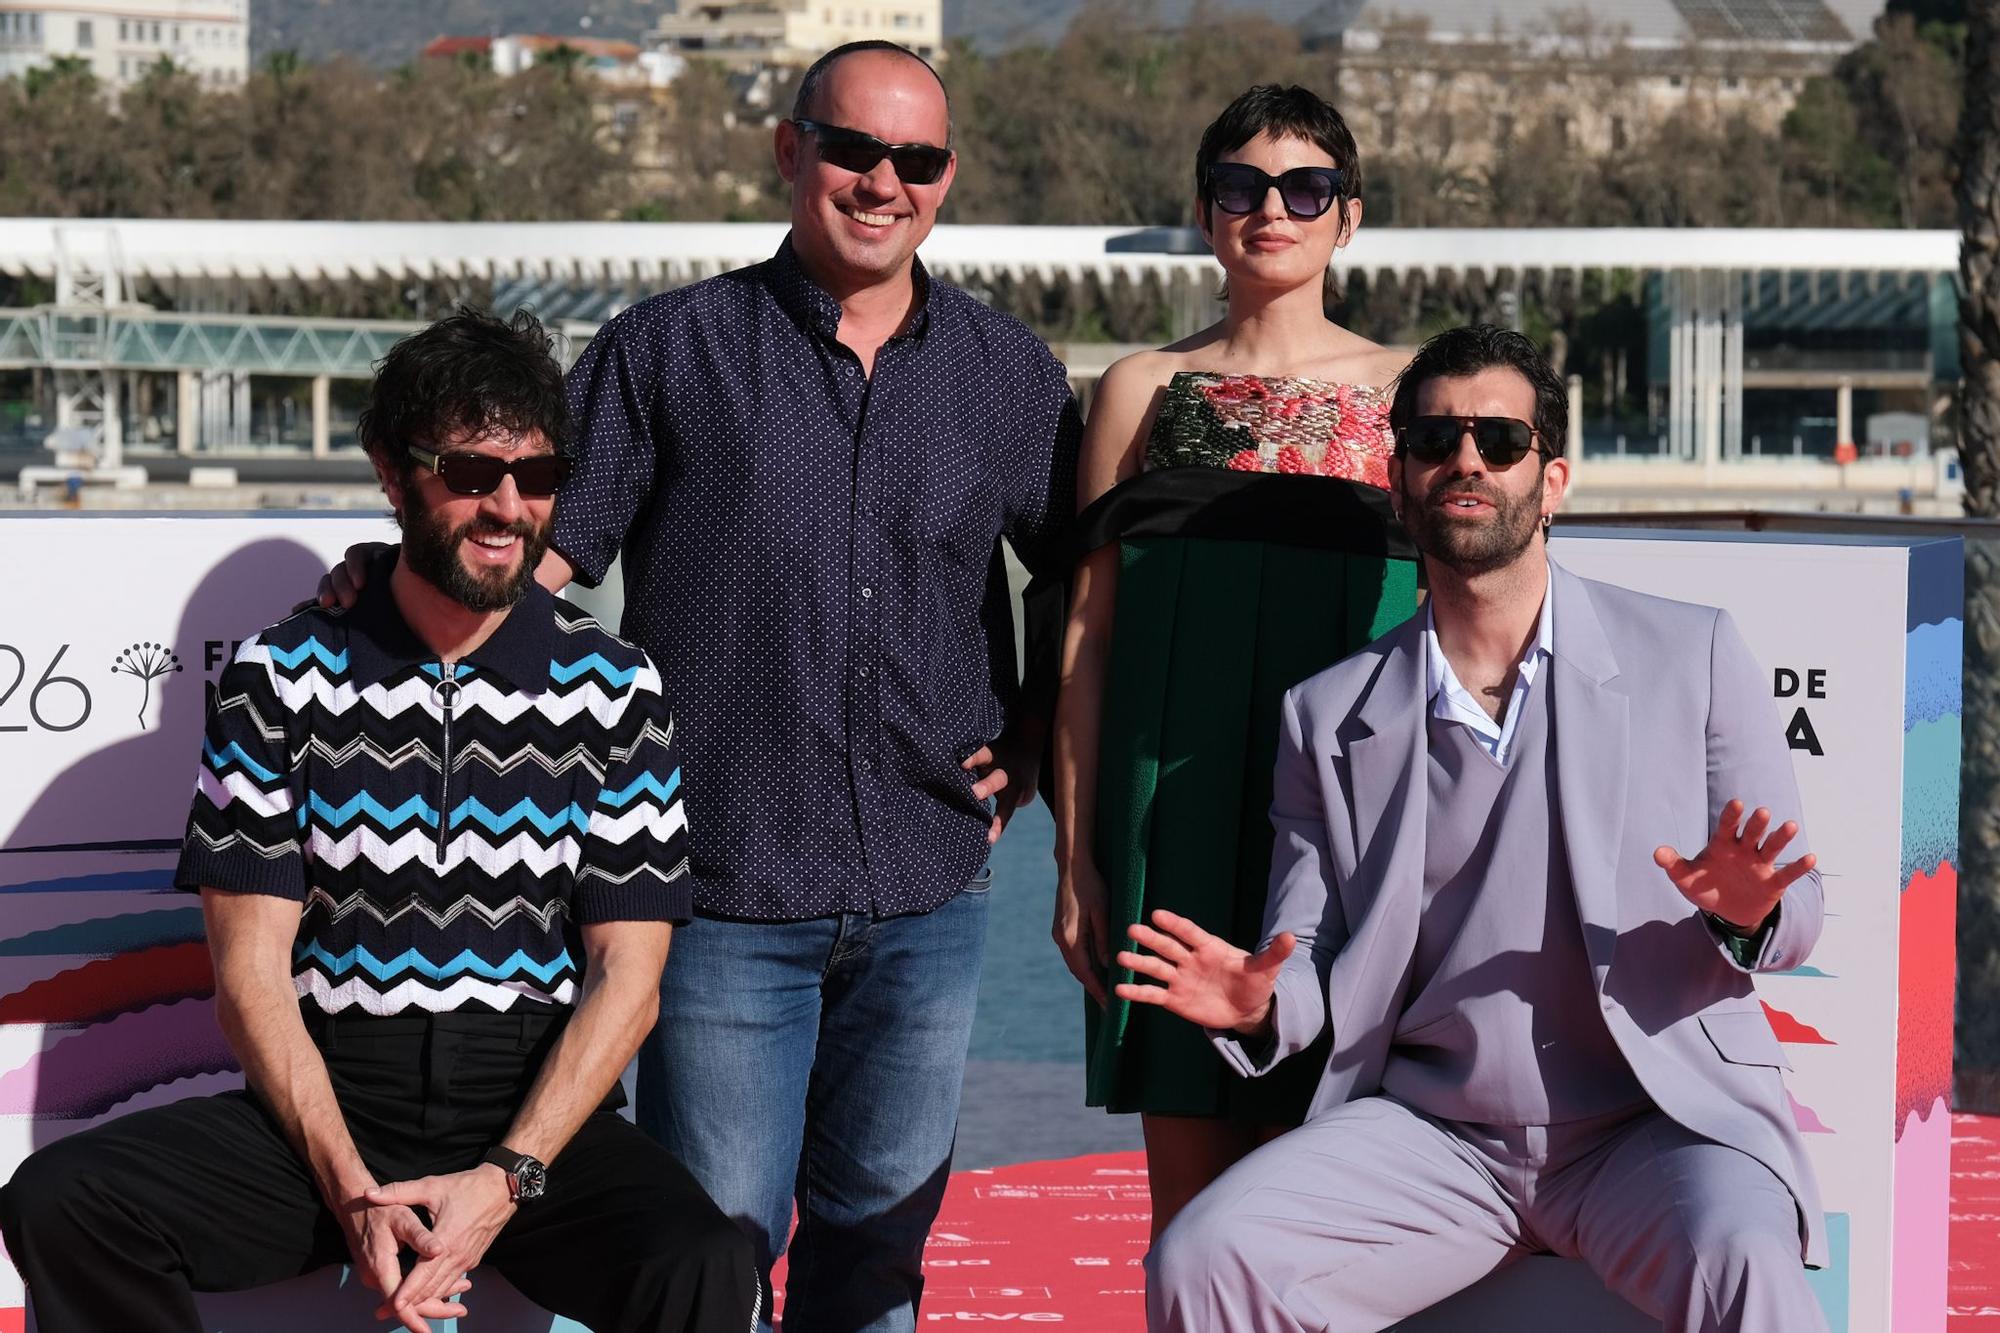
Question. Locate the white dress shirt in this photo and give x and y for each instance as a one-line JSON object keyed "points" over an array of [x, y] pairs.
{"points": [[1449, 700]]}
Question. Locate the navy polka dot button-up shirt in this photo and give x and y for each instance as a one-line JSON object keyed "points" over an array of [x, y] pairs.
{"points": [[811, 556]]}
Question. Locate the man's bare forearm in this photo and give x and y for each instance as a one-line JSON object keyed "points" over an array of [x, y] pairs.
{"points": [[621, 997], [285, 1069], [258, 1011]]}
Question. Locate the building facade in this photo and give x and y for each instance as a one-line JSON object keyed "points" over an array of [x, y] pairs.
{"points": [[762, 34], [122, 39], [1464, 77], [622, 64]]}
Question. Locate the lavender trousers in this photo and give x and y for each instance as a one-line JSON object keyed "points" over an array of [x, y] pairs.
{"points": [[1375, 1211]]}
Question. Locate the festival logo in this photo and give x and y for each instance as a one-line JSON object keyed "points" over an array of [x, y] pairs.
{"points": [[146, 662]]}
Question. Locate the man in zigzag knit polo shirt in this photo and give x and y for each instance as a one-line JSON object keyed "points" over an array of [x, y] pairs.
{"points": [[805, 470], [440, 845]]}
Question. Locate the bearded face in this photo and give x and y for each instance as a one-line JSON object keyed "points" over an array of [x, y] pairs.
{"points": [[1473, 524], [1466, 513], [453, 557]]}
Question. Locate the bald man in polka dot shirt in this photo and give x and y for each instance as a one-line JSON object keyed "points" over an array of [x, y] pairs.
{"points": [[808, 467]]}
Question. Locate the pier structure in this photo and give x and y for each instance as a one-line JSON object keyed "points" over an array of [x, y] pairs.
{"points": [[1773, 360]]}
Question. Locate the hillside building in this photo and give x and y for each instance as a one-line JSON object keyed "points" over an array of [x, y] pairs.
{"points": [[122, 39], [615, 62], [748, 35], [1467, 75]]}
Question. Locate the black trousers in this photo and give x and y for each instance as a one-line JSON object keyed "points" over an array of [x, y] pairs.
{"points": [[116, 1227]]}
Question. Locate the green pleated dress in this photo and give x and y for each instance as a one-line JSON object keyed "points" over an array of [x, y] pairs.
{"points": [[1210, 630]]}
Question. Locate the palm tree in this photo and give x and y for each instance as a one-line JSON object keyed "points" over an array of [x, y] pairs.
{"points": [[564, 59], [61, 71], [1978, 153]]}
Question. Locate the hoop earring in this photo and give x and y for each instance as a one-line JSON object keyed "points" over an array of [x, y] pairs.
{"points": [[1546, 520]]}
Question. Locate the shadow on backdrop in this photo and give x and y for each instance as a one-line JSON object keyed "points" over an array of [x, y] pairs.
{"points": [[128, 1007]]}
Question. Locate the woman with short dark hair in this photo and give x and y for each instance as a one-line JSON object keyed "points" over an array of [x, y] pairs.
{"points": [[1240, 539]]}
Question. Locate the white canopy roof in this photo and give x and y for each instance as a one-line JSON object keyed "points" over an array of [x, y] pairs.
{"points": [[665, 253]]}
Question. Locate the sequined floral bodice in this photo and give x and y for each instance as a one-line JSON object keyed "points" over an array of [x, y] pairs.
{"points": [[1251, 423]]}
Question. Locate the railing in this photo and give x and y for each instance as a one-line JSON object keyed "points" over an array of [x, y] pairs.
{"points": [[75, 338], [141, 339], [1837, 360], [24, 339]]}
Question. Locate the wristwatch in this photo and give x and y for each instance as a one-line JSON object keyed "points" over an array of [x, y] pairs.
{"points": [[526, 1177], [1728, 927]]}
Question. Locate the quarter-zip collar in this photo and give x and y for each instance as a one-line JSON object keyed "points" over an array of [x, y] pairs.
{"points": [[380, 641]]}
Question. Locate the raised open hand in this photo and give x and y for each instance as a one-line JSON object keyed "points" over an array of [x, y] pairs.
{"points": [[1203, 977], [1737, 876]]}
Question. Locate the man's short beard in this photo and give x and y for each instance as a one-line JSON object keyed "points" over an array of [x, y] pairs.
{"points": [[433, 555], [1466, 549]]}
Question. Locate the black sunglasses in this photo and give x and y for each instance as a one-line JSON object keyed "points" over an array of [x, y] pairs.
{"points": [[1501, 441], [851, 150], [1238, 187], [479, 474]]}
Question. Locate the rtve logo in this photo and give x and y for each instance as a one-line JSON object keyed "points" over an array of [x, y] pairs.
{"points": [[991, 1317]]}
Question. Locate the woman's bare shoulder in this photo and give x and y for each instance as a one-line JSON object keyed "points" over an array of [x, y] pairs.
{"points": [[1362, 361], [1386, 363], [1142, 374]]}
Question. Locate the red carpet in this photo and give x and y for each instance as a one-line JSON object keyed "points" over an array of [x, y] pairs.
{"points": [[1975, 1223], [1061, 1242]]}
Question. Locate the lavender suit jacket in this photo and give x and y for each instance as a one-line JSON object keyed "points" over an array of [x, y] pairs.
{"points": [[1661, 717]]}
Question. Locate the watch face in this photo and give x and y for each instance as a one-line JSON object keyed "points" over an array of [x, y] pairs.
{"points": [[534, 1178]]}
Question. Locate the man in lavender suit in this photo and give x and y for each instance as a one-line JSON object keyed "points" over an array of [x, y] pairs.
{"points": [[1545, 1034]]}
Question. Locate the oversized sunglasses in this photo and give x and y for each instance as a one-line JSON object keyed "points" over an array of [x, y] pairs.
{"points": [[851, 150], [479, 474], [1238, 187], [1501, 441]]}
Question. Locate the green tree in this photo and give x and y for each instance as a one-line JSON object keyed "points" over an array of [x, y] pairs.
{"points": [[564, 59], [177, 141], [1102, 127], [1904, 86], [61, 156], [717, 150], [1978, 193], [62, 72], [1833, 176], [1930, 11]]}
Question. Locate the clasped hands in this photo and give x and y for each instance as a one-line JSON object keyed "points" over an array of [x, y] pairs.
{"points": [[467, 1210], [1209, 981]]}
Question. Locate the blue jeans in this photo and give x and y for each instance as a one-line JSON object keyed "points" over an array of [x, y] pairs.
{"points": [[821, 1060]]}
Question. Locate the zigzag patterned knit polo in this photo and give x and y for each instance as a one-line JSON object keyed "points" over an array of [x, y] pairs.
{"points": [[442, 824]]}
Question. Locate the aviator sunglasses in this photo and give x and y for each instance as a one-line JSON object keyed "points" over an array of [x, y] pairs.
{"points": [[1238, 187], [851, 150], [535, 475], [1501, 441]]}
